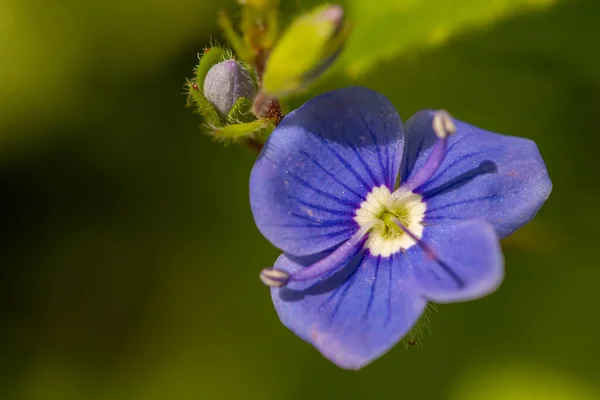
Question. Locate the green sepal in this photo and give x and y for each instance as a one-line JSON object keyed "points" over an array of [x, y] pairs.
{"points": [[414, 337], [201, 105], [210, 57], [250, 71], [255, 129], [313, 41], [241, 112]]}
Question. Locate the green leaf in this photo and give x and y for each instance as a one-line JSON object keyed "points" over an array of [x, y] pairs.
{"points": [[394, 27]]}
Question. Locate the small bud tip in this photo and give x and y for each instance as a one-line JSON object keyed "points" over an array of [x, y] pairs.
{"points": [[230, 64], [333, 13], [443, 125], [274, 277]]}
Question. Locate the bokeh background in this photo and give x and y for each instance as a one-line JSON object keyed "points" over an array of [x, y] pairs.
{"points": [[129, 257]]}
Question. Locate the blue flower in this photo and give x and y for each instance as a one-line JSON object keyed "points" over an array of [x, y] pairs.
{"points": [[366, 249]]}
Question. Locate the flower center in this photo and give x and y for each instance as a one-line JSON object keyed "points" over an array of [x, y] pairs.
{"points": [[380, 210], [388, 222]]}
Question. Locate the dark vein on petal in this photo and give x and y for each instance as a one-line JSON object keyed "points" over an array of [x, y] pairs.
{"points": [[310, 187], [363, 162], [332, 176], [328, 299], [347, 287], [434, 273], [459, 281], [323, 235], [421, 146], [440, 174], [342, 161], [321, 208], [321, 223], [389, 300], [321, 192], [377, 147], [311, 226], [458, 141], [391, 180], [494, 196], [372, 294], [437, 217], [332, 294]]}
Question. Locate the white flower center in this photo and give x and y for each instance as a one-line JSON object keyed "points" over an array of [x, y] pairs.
{"points": [[379, 211]]}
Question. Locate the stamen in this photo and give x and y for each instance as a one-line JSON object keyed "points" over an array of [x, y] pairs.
{"points": [[443, 126], [274, 277], [277, 278], [428, 250]]}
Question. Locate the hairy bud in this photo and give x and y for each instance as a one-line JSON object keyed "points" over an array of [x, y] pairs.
{"points": [[225, 83]]}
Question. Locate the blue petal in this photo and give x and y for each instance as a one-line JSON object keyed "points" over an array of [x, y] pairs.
{"points": [[319, 165], [357, 314], [501, 179], [469, 264]]}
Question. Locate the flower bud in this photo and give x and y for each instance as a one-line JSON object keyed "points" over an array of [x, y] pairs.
{"points": [[306, 49], [225, 83]]}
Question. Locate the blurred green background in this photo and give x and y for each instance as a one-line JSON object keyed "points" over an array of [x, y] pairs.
{"points": [[129, 256]]}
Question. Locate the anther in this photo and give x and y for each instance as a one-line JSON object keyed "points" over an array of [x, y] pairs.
{"points": [[338, 258], [429, 252], [274, 277], [443, 125], [426, 249]]}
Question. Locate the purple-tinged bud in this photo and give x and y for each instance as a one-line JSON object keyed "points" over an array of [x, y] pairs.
{"points": [[333, 14], [313, 41], [225, 83]]}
